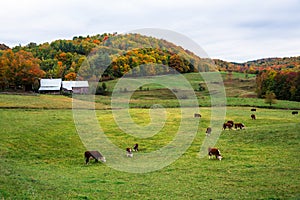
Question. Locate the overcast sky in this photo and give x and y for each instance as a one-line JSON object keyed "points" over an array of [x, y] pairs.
{"points": [[232, 30]]}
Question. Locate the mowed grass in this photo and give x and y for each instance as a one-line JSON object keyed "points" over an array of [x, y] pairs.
{"points": [[42, 158], [41, 101]]}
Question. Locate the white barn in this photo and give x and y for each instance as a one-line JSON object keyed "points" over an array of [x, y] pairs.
{"points": [[50, 85], [77, 87]]}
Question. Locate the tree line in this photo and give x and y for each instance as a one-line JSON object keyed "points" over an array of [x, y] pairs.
{"points": [[256, 66], [284, 84]]}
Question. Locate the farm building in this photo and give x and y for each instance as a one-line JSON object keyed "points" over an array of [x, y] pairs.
{"points": [[76, 87], [50, 85]]}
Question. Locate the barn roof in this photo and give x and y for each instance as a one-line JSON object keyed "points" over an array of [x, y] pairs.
{"points": [[50, 84], [68, 85]]}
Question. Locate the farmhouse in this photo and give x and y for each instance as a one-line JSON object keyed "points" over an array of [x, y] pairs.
{"points": [[50, 86], [76, 87]]}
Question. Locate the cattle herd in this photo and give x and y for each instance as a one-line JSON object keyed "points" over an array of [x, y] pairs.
{"points": [[96, 155], [227, 125]]}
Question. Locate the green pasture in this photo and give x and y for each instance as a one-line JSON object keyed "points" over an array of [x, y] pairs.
{"points": [[237, 80], [42, 154]]}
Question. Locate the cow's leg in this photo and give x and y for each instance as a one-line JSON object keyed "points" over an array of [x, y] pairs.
{"points": [[87, 160]]}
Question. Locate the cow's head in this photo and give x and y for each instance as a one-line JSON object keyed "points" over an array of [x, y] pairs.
{"points": [[220, 157], [103, 159]]}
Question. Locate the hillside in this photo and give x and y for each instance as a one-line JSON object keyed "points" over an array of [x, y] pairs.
{"points": [[110, 56], [255, 66]]}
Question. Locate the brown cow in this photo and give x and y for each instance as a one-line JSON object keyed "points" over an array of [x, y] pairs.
{"points": [[197, 115], [208, 131], [239, 125], [214, 152], [93, 155], [129, 152], [136, 147], [253, 116], [227, 125]]}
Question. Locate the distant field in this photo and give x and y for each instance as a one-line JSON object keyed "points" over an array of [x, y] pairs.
{"points": [[42, 155], [140, 99], [237, 81]]}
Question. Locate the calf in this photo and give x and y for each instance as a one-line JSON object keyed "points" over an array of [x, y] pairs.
{"points": [[227, 125], [136, 147], [197, 115], [295, 113], [129, 152], [239, 125], [253, 116], [208, 131], [214, 152], [253, 109], [93, 155]]}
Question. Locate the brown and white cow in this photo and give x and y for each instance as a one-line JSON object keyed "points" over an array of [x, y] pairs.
{"points": [[93, 155], [231, 122], [129, 152], [227, 125], [253, 116], [239, 125], [214, 152], [208, 131]]}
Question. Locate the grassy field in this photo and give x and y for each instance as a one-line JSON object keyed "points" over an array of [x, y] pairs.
{"points": [[42, 154], [236, 85]]}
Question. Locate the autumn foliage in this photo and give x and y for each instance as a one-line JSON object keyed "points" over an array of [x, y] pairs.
{"points": [[109, 56], [19, 70], [284, 84]]}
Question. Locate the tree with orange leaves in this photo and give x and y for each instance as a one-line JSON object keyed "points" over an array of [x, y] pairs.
{"points": [[19, 70]]}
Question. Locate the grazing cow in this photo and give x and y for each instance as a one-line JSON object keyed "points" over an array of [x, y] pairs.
{"points": [[295, 113], [136, 147], [197, 115], [227, 125], [253, 109], [253, 116], [129, 152], [231, 122], [239, 125], [208, 131], [214, 152], [93, 155]]}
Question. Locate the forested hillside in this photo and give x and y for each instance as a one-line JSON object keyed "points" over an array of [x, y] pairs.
{"points": [[255, 66], [63, 58]]}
